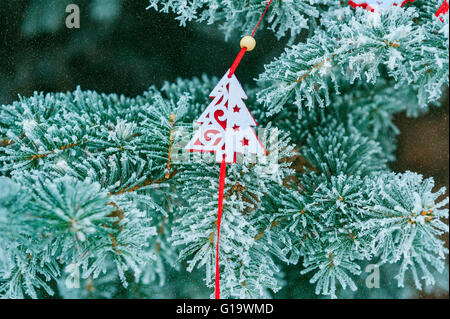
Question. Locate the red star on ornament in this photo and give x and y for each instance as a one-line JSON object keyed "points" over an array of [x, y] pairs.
{"points": [[236, 127], [236, 109], [244, 142]]}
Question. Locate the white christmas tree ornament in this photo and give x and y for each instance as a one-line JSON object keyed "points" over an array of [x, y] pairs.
{"points": [[377, 5], [226, 124]]}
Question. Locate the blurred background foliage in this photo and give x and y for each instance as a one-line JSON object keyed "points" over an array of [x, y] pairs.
{"points": [[123, 48], [120, 47]]}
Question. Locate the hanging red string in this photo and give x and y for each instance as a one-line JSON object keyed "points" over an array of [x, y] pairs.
{"points": [[223, 165], [260, 19], [244, 49], [223, 168]]}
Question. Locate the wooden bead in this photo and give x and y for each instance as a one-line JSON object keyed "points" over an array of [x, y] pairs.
{"points": [[248, 42]]}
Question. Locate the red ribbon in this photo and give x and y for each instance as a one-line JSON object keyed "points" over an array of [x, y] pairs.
{"points": [[237, 61], [244, 49], [223, 166]]}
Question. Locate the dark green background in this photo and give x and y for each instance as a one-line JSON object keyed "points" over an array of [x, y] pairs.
{"points": [[125, 54]]}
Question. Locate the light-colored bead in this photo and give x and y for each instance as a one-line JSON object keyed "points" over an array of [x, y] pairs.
{"points": [[249, 42]]}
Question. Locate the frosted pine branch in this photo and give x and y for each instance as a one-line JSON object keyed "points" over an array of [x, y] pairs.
{"points": [[358, 45]]}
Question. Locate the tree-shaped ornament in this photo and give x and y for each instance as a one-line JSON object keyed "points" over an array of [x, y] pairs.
{"points": [[376, 5], [379, 5], [226, 124], [443, 9], [226, 129]]}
